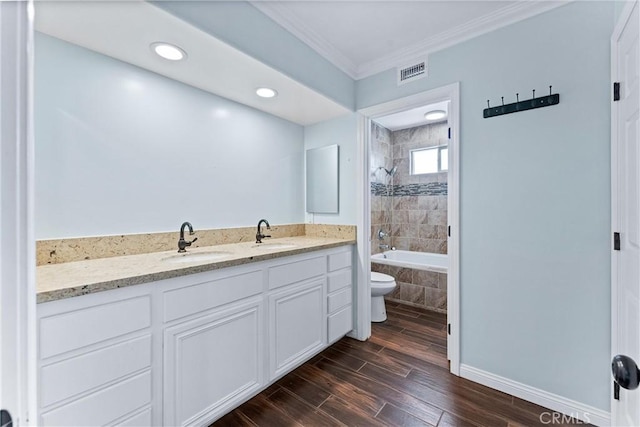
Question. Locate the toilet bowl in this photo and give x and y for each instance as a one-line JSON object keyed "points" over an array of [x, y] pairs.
{"points": [[381, 285]]}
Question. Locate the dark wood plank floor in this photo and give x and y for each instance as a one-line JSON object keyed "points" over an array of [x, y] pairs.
{"points": [[399, 377]]}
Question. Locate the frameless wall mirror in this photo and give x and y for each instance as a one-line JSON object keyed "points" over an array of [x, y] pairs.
{"points": [[322, 179]]}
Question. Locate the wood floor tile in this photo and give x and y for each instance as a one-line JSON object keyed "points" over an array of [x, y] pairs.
{"points": [[460, 407], [263, 413], [380, 359], [399, 377], [366, 401], [393, 416], [301, 411], [407, 402], [234, 419], [349, 413], [347, 360], [306, 390], [449, 420]]}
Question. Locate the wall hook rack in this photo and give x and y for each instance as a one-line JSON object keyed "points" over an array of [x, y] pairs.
{"points": [[529, 104]]}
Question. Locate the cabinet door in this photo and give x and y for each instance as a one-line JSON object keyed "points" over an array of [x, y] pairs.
{"points": [[297, 325], [212, 363]]}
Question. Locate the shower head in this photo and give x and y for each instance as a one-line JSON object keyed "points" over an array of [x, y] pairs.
{"points": [[389, 172]]}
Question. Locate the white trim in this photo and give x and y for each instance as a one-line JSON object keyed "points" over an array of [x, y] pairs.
{"points": [[446, 93], [540, 397], [18, 370], [453, 244], [290, 22], [615, 225], [362, 316], [502, 17]]}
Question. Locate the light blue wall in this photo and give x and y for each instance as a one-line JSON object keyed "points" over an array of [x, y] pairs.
{"points": [[249, 30], [341, 131], [123, 150], [535, 198]]}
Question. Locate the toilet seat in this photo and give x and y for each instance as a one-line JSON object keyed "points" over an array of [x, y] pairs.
{"points": [[381, 277]]}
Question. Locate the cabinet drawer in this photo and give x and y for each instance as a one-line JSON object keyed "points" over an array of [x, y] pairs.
{"points": [[339, 324], [71, 377], [286, 274], [80, 328], [338, 280], [204, 296], [340, 260], [105, 406], [338, 300]]}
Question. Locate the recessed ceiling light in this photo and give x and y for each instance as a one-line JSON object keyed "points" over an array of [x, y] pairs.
{"points": [[265, 92], [168, 51], [435, 115]]}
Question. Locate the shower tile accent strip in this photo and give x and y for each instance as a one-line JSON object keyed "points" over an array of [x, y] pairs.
{"points": [[428, 189]]}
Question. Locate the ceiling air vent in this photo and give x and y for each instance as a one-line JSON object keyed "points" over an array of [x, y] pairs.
{"points": [[412, 72]]}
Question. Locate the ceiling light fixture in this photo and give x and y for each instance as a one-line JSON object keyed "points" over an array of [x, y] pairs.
{"points": [[168, 51], [435, 115], [265, 92]]}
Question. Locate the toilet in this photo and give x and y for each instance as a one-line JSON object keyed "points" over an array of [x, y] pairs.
{"points": [[381, 285]]}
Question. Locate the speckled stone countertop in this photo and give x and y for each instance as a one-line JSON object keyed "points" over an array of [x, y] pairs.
{"points": [[66, 280]]}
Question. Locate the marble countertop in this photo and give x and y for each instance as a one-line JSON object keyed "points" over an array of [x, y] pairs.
{"points": [[66, 280]]}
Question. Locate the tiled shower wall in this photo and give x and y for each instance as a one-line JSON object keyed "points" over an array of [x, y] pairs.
{"points": [[412, 208], [381, 156]]}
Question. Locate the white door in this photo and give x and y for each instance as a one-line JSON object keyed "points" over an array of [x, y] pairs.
{"points": [[626, 209]]}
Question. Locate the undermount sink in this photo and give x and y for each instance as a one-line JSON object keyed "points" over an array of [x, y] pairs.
{"points": [[190, 257], [275, 245]]}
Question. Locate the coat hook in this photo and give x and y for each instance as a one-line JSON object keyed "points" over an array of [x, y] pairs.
{"points": [[534, 94], [517, 97], [550, 93], [488, 106]]}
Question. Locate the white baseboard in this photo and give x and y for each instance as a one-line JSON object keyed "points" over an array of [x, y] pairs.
{"points": [[552, 401]]}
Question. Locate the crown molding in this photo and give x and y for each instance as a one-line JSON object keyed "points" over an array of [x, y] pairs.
{"points": [[500, 18], [485, 24], [290, 22]]}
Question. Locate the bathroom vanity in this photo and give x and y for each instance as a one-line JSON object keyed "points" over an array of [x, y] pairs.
{"points": [[187, 344]]}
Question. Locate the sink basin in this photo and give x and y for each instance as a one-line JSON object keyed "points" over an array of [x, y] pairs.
{"points": [[190, 257], [275, 245]]}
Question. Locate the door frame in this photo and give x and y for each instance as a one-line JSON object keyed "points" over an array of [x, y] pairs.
{"points": [[18, 389], [615, 147], [450, 92]]}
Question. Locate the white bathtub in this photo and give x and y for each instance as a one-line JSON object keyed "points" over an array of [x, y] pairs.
{"points": [[417, 260]]}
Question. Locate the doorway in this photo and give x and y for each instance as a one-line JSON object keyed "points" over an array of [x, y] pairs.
{"points": [[449, 96]]}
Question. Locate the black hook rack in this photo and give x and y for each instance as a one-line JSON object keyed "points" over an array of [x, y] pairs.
{"points": [[529, 104]]}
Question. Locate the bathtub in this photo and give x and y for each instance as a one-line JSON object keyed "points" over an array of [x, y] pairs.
{"points": [[416, 260]]}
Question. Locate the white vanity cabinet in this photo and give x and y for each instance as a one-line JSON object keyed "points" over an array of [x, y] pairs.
{"points": [[213, 334], [187, 350], [296, 313]]}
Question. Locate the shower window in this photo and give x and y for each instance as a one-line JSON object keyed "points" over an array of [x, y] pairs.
{"points": [[430, 160]]}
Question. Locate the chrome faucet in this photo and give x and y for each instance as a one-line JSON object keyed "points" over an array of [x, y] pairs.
{"points": [[382, 234], [182, 244], [384, 247], [259, 235]]}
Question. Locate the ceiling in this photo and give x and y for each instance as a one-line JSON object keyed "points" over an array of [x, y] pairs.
{"points": [[363, 38], [125, 30], [413, 117], [359, 37]]}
